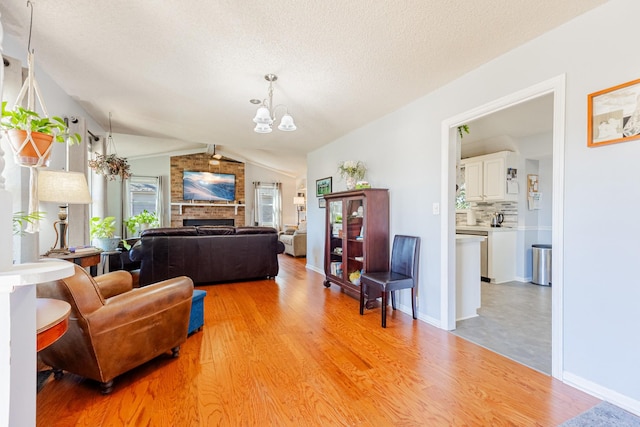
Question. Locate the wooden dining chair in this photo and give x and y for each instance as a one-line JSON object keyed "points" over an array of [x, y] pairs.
{"points": [[403, 274]]}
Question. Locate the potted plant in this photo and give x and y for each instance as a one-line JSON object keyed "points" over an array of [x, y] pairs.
{"points": [[20, 219], [111, 166], [34, 150], [102, 231], [352, 171], [142, 221]]}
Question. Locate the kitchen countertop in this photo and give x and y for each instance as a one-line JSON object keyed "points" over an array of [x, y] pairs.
{"points": [[482, 228]]}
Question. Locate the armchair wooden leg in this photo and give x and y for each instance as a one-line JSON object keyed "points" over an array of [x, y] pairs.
{"points": [[57, 373], [384, 309], [175, 352], [362, 291], [106, 387], [393, 299]]}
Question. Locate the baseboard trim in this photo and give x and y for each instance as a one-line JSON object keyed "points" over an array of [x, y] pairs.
{"points": [[601, 392], [313, 268]]}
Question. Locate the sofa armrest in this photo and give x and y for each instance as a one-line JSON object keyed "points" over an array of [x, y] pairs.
{"points": [[127, 308], [114, 283]]}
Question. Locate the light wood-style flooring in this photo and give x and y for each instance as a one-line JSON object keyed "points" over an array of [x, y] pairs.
{"points": [[289, 352]]}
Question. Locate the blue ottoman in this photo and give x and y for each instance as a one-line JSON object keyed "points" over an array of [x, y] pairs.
{"points": [[196, 319]]}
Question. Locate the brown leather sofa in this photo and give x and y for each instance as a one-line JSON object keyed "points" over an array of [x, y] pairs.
{"points": [[207, 254], [114, 328]]}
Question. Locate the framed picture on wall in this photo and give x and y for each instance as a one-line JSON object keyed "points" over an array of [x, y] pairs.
{"points": [[614, 114], [322, 202], [323, 186]]}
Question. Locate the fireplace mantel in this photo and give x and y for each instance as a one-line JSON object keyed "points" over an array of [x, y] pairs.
{"points": [[217, 205]]}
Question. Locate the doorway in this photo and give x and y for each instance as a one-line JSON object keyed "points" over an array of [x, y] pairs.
{"points": [[555, 87]]}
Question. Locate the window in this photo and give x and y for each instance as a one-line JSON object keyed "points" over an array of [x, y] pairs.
{"points": [[144, 193], [268, 205]]}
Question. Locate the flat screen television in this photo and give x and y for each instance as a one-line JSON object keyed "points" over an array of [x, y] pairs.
{"points": [[208, 186]]}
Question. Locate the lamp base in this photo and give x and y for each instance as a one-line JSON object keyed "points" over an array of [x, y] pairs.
{"points": [[64, 251]]}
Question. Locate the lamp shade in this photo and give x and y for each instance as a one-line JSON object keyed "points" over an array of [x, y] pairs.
{"points": [[262, 128], [286, 124], [263, 116], [63, 187], [298, 200]]}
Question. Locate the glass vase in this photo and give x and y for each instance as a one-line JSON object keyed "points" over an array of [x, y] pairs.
{"points": [[351, 183]]}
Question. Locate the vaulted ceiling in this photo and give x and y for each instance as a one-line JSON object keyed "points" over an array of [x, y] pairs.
{"points": [[182, 73]]}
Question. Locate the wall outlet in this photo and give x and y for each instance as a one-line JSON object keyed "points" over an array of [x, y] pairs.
{"points": [[436, 208]]}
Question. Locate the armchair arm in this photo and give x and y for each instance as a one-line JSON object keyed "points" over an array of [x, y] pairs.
{"points": [[114, 283]]}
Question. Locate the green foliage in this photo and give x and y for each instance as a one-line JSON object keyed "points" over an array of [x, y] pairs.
{"points": [[100, 228], [144, 217], [22, 119], [462, 128], [20, 219], [461, 202]]}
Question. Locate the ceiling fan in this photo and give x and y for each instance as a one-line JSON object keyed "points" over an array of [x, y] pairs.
{"points": [[215, 158]]}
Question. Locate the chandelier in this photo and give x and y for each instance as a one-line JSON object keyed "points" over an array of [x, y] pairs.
{"points": [[266, 114]]}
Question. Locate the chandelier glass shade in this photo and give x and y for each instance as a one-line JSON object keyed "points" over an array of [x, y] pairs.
{"points": [[266, 114]]}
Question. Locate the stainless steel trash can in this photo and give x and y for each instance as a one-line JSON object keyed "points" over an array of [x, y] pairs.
{"points": [[541, 265]]}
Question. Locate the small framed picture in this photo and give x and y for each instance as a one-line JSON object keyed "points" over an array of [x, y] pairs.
{"points": [[322, 202], [614, 114], [323, 186]]}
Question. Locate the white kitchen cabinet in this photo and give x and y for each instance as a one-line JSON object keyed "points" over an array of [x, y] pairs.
{"points": [[486, 177], [473, 172]]}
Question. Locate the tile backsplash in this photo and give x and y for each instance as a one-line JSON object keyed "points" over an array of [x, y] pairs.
{"points": [[485, 210]]}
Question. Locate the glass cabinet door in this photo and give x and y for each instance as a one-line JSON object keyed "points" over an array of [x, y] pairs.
{"points": [[336, 238], [355, 211]]}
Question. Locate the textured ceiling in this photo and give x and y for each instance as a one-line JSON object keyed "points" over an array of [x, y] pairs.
{"points": [[184, 72]]}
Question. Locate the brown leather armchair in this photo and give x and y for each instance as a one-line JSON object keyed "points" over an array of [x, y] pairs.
{"points": [[114, 328]]}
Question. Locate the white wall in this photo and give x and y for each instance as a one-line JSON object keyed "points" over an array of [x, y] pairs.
{"points": [[402, 151]]}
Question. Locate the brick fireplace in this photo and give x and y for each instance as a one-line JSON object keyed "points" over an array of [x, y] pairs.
{"points": [[205, 211]]}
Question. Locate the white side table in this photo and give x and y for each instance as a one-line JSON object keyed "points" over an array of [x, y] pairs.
{"points": [[18, 337]]}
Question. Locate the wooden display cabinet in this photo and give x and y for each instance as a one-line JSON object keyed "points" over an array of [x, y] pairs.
{"points": [[357, 237]]}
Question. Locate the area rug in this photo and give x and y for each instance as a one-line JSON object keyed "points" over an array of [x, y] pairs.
{"points": [[604, 415]]}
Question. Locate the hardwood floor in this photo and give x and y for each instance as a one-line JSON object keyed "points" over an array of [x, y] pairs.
{"points": [[289, 352]]}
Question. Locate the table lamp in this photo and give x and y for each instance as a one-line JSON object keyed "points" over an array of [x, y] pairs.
{"points": [[67, 188]]}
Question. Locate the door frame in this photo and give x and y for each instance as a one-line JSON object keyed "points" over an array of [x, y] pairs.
{"points": [[557, 87]]}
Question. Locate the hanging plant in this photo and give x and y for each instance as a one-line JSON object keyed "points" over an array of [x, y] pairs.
{"points": [[111, 166]]}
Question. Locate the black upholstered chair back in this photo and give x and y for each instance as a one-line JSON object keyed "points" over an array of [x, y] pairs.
{"points": [[404, 256]]}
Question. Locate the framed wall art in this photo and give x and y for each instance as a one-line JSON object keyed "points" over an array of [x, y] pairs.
{"points": [[322, 202], [323, 186], [614, 114]]}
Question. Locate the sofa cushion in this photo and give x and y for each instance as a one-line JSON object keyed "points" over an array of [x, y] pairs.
{"points": [[256, 230], [215, 230], [168, 231]]}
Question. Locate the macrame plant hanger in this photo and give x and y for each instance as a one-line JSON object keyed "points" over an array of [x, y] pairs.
{"points": [[111, 149], [31, 90]]}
